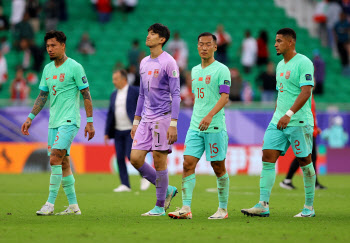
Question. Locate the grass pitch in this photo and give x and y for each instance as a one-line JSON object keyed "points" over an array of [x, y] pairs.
{"points": [[115, 217]]}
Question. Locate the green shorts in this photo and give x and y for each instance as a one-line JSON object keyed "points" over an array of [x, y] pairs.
{"points": [[214, 144], [299, 137], [61, 137]]}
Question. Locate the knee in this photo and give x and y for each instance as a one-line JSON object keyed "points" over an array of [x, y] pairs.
{"points": [[219, 168], [65, 163], [188, 166], [136, 160], [57, 156]]}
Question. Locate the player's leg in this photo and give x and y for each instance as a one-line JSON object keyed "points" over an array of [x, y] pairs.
{"points": [[194, 148], [142, 144], [287, 183], [216, 149], [275, 144], [314, 160], [301, 140], [120, 147], [68, 182]]}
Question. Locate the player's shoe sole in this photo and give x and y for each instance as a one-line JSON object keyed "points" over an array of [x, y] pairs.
{"points": [[169, 198], [180, 216], [153, 214], [44, 214], [254, 214]]}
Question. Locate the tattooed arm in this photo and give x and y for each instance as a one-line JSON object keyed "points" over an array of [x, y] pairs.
{"points": [[89, 128], [38, 106]]}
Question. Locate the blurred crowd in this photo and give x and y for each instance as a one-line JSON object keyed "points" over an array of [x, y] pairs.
{"points": [[253, 71], [333, 20]]}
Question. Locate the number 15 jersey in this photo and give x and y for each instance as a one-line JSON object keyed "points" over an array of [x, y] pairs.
{"points": [[207, 86]]}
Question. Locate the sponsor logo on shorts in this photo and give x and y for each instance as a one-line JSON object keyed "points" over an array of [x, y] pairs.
{"points": [[156, 73], [308, 77], [84, 79], [207, 79], [287, 74], [62, 77]]}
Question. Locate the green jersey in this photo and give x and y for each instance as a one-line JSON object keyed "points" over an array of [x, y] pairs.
{"points": [[207, 85], [63, 84], [290, 76]]}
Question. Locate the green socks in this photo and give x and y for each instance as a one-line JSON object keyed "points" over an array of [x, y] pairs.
{"points": [[223, 190], [68, 187], [55, 182], [309, 183], [267, 179], [188, 184]]}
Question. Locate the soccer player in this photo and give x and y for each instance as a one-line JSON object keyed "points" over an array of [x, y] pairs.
{"points": [[62, 79], [158, 105], [211, 82], [291, 124]]}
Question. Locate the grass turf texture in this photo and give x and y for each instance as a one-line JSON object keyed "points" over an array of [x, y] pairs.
{"points": [[115, 217]]}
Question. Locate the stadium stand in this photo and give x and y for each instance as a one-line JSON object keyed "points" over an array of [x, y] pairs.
{"points": [[114, 38]]}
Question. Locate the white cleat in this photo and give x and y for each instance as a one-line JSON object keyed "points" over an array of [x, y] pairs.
{"points": [[46, 210], [181, 213], [72, 209], [122, 188], [220, 214], [144, 184]]}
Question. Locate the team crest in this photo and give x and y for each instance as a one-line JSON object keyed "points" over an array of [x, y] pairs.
{"points": [[135, 142], [84, 79], [287, 74], [156, 73], [62, 77], [49, 148], [207, 79]]}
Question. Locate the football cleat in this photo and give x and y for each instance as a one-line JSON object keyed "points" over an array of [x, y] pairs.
{"points": [[170, 194], [220, 214], [306, 213], [71, 210], [181, 213], [288, 186], [261, 209], [156, 211], [46, 210]]}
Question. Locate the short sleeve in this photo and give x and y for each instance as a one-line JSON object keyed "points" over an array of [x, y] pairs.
{"points": [[306, 73], [43, 84], [172, 70], [224, 80], [80, 77]]}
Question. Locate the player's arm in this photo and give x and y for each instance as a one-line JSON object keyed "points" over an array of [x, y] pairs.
{"points": [[89, 128], [174, 85], [204, 124], [139, 107], [38, 106]]}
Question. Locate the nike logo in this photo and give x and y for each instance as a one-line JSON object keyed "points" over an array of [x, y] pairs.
{"points": [[193, 79], [298, 152], [143, 73], [47, 78], [54, 144], [213, 156], [181, 213], [157, 146]]}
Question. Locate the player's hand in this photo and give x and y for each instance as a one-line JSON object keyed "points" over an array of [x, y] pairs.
{"points": [[204, 124], [89, 129], [319, 131], [171, 135], [283, 122], [106, 138], [133, 131], [25, 126]]}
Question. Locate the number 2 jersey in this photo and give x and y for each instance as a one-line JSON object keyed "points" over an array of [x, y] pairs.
{"points": [[63, 84], [207, 86], [159, 95], [291, 76]]}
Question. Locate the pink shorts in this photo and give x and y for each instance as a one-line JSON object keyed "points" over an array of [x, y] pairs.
{"points": [[152, 136]]}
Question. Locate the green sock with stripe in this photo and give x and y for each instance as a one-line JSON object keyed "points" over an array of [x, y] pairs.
{"points": [[223, 183], [309, 177], [188, 184], [267, 179], [69, 189], [55, 182]]}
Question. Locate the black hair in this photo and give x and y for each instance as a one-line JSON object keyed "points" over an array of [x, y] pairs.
{"points": [[123, 73], [161, 30], [263, 35], [207, 34], [287, 32], [59, 35]]}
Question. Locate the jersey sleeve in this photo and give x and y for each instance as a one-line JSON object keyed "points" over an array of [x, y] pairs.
{"points": [[80, 77], [306, 73], [224, 80], [43, 84], [172, 71]]}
